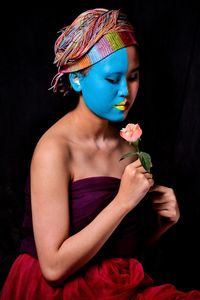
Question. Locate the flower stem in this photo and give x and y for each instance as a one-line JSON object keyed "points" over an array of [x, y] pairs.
{"points": [[136, 145]]}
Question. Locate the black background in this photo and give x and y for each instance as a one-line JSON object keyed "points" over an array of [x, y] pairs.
{"points": [[167, 108]]}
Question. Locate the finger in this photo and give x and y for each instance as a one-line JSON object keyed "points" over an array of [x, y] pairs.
{"points": [[159, 201], [137, 163], [164, 213], [159, 188], [142, 169], [148, 175], [158, 206], [151, 182]]}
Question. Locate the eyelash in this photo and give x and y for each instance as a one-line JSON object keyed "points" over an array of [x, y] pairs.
{"points": [[113, 81], [131, 78]]}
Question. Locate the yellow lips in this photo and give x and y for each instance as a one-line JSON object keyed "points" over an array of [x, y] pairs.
{"points": [[121, 105]]}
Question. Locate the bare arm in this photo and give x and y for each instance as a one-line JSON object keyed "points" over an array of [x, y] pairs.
{"points": [[60, 255]]}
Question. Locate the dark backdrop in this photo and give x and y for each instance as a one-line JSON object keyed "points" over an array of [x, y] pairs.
{"points": [[167, 108]]}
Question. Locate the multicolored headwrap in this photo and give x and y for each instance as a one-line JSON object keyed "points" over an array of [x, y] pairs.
{"points": [[92, 36]]}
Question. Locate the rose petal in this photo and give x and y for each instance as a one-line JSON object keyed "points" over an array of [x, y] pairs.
{"points": [[131, 132]]}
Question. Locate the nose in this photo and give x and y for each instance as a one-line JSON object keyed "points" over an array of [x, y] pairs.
{"points": [[123, 89]]}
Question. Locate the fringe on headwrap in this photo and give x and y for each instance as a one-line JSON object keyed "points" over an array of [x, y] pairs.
{"points": [[86, 30]]}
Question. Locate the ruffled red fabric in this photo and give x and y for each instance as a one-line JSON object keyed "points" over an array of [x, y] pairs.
{"points": [[113, 279]]}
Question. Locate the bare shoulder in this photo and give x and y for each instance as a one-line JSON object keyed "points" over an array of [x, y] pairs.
{"points": [[52, 151]]}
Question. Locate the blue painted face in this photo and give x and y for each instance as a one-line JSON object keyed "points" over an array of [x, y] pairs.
{"points": [[110, 87]]}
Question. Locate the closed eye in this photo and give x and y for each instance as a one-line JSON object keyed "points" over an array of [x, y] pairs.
{"points": [[113, 80], [134, 76]]}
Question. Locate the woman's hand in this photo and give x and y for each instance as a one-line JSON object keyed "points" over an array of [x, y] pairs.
{"points": [[165, 203], [135, 183]]}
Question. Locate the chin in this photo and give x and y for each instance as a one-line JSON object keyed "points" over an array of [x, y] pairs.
{"points": [[119, 119]]}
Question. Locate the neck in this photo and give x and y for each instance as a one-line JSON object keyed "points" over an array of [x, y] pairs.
{"points": [[88, 125]]}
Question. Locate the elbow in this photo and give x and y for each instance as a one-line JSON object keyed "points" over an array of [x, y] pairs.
{"points": [[56, 269], [51, 277], [54, 276]]}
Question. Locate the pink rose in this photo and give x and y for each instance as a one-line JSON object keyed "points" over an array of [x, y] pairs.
{"points": [[131, 132]]}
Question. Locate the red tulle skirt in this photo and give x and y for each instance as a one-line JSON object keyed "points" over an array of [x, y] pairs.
{"points": [[113, 279]]}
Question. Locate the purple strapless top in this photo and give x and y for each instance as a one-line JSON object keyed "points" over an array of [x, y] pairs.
{"points": [[88, 197]]}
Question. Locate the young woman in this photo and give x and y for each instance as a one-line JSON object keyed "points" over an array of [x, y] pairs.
{"points": [[89, 210]]}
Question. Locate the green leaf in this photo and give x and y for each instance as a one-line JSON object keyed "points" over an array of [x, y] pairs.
{"points": [[129, 154], [145, 159]]}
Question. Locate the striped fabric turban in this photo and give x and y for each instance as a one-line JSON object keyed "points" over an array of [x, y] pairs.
{"points": [[92, 36]]}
